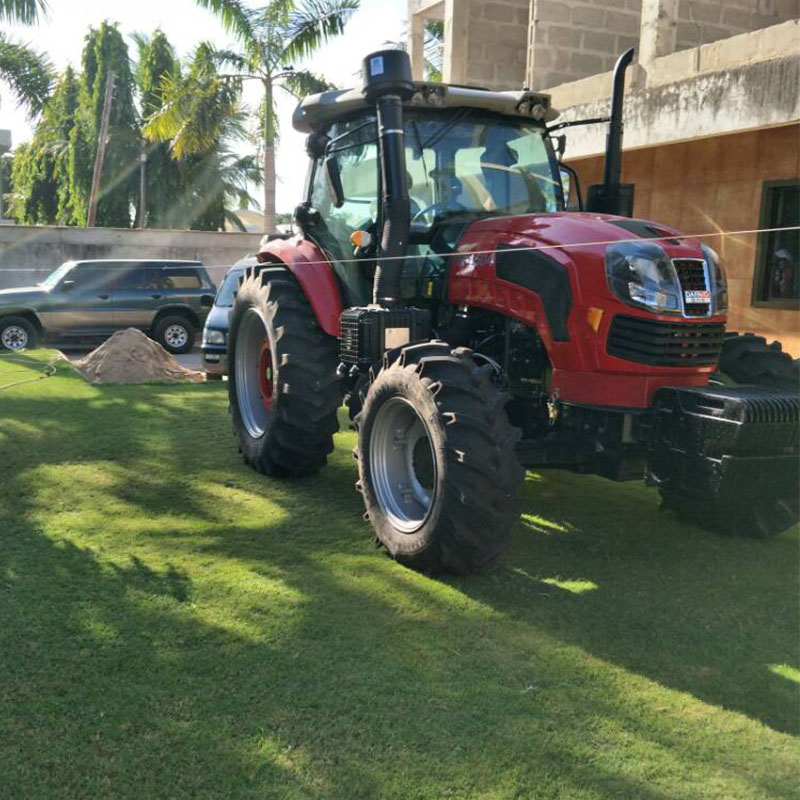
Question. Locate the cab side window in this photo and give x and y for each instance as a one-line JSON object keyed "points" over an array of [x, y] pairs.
{"points": [[358, 167]]}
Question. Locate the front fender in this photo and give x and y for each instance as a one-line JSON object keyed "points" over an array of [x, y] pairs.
{"points": [[314, 274]]}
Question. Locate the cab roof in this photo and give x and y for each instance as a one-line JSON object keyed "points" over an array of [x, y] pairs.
{"points": [[317, 111]]}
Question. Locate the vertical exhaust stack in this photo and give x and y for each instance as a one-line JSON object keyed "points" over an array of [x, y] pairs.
{"points": [[611, 196], [387, 83]]}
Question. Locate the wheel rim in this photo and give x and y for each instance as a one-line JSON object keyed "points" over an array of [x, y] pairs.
{"points": [[265, 375], [14, 338], [254, 388], [176, 336], [402, 465]]}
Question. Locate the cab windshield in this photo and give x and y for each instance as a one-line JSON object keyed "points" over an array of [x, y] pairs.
{"points": [[474, 163]]}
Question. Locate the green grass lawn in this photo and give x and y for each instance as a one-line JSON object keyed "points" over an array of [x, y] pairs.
{"points": [[173, 625]]}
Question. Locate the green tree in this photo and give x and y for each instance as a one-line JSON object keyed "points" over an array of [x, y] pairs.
{"points": [[156, 63], [105, 50], [27, 72], [204, 110], [41, 168], [272, 38]]}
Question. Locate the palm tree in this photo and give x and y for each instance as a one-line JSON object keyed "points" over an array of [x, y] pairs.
{"points": [[25, 12], [272, 38], [27, 72]]}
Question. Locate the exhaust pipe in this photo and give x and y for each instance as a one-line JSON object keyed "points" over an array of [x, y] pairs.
{"points": [[387, 83], [611, 196]]}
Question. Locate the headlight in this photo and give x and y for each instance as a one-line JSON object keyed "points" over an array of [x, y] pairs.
{"points": [[641, 274], [213, 337], [719, 284]]}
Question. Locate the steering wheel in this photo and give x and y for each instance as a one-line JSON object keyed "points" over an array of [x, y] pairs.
{"points": [[432, 207]]}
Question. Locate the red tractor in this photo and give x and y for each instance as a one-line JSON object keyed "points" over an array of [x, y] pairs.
{"points": [[477, 327]]}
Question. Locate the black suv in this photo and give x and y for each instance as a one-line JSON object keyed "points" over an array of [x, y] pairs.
{"points": [[85, 301]]}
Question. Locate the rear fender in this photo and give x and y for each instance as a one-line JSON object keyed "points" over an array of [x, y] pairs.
{"points": [[314, 274]]}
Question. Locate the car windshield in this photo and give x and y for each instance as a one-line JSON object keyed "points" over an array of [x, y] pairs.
{"points": [[51, 281], [229, 285]]}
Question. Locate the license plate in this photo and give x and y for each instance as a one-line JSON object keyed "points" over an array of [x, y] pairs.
{"points": [[697, 296]]}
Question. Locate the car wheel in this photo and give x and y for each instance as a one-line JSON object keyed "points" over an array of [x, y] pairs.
{"points": [[17, 333], [175, 334]]}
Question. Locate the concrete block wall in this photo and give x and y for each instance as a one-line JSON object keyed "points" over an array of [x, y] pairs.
{"points": [[28, 254], [572, 39], [496, 47], [703, 21]]}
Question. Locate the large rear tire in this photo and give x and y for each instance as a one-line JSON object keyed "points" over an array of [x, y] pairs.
{"points": [[748, 360], [282, 384], [437, 462]]}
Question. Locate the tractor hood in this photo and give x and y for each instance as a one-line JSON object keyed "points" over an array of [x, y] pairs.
{"points": [[574, 233]]}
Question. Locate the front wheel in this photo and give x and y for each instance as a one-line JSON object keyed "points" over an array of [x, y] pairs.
{"points": [[17, 333], [437, 462]]}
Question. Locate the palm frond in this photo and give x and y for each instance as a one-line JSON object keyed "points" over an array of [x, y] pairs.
{"points": [[301, 83], [235, 16], [27, 72], [24, 12], [314, 23]]}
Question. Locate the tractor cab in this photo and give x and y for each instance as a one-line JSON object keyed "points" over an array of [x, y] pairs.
{"points": [[468, 154]]}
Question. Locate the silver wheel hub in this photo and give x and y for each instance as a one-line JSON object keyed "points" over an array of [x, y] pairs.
{"points": [[402, 465], [14, 337], [176, 336], [250, 339]]}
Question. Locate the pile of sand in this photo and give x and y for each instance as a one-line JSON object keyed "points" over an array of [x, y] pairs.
{"points": [[130, 356]]}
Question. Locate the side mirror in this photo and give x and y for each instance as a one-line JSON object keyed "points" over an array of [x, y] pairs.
{"points": [[206, 300], [566, 184], [561, 146], [67, 286], [333, 180]]}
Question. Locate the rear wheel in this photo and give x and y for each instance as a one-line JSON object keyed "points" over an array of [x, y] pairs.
{"points": [[175, 334], [17, 333], [282, 384], [747, 359], [437, 462]]}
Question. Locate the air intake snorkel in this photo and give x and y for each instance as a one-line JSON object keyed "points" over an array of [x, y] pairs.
{"points": [[387, 82]]}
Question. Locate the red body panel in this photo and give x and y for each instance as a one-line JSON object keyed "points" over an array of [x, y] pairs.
{"points": [[314, 273], [583, 372]]}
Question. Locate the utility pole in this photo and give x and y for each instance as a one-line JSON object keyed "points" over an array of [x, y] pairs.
{"points": [[101, 149], [142, 186]]}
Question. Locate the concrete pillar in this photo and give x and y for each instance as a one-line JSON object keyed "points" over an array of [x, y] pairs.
{"points": [[456, 29], [658, 29], [416, 46]]}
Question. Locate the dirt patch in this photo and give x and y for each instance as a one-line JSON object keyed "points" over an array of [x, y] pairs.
{"points": [[130, 356]]}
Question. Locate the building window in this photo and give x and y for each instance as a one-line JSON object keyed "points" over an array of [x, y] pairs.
{"points": [[778, 253]]}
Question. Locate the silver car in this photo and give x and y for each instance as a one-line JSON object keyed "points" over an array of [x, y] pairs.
{"points": [[86, 301]]}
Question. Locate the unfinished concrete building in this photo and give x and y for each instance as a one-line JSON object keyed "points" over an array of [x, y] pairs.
{"points": [[712, 115]]}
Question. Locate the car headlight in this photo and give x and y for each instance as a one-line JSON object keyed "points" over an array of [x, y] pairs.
{"points": [[213, 337], [719, 283], [641, 274]]}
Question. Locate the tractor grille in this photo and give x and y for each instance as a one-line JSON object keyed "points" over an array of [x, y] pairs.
{"points": [[692, 277], [665, 344]]}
